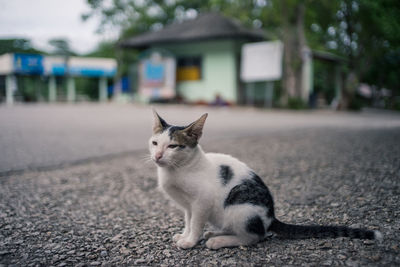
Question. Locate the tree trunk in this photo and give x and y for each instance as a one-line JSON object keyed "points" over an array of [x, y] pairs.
{"points": [[289, 78], [351, 81], [300, 49], [294, 43]]}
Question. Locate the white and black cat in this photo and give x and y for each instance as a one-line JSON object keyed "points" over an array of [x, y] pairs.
{"points": [[223, 191]]}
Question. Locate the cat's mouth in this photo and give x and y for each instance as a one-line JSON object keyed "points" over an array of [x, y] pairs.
{"points": [[160, 162]]}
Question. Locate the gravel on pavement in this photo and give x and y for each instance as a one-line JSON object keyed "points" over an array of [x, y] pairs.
{"points": [[109, 211]]}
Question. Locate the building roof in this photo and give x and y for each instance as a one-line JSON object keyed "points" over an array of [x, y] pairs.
{"points": [[207, 26]]}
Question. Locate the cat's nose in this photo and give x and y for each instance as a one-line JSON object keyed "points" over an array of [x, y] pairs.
{"points": [[158, 155]]}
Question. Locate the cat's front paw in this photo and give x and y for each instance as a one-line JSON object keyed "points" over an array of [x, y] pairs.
{"points": [[177, 237], [185, 243]]}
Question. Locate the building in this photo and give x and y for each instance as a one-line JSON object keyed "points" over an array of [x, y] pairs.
{"points": [[15, 67], [206, 52]]}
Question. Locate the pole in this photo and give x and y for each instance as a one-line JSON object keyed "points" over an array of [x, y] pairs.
{"points": [[269, 93], [71, 94], [52, 89], [250, 93], [338, 83], [11, 87], [103, 89]]}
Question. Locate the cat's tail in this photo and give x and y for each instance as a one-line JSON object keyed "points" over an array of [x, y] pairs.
{"points": [[292, 231]]}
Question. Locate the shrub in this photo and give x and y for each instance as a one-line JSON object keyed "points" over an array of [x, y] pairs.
{"points": [[296, 103]]}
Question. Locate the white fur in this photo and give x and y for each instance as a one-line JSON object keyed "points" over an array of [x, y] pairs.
{"points": [[190, 178]]}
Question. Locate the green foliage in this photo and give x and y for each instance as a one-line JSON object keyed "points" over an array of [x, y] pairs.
{"points": [[396, 105], [367, 34], [31, 88], [104, 49], [296, 103], [324, 80], [88, 87], [132, 17], [17, 46], [61, 47], [356, 103]]}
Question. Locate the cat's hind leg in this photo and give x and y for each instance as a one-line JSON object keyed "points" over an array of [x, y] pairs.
{"points": [[229, 241], [247, 224], [209, 234]]}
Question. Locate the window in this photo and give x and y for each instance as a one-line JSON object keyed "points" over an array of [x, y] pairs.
{"points": [[188, 69]]}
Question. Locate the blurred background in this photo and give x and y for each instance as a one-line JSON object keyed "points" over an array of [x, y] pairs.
{"points": [[256, 59], [301, 54]]}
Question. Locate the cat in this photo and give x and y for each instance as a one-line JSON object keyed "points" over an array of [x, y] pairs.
{"points": [[221, 190]]}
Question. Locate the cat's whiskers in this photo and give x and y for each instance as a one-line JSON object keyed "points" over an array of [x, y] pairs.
{"points": [[146, 159]]}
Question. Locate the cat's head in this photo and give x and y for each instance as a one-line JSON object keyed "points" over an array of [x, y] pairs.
{"points": [[171, 146]]}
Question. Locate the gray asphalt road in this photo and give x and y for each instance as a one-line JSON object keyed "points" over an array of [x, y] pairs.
{"points": [[108, 212], [34, 136]]}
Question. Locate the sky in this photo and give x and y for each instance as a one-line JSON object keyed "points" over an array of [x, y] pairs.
{"points": [[41, 20]]}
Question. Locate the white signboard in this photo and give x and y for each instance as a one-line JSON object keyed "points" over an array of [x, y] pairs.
{"points": [[261, 61], [6, 64]]}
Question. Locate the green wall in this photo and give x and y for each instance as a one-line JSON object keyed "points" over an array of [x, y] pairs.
{"points": [[219, 70]]}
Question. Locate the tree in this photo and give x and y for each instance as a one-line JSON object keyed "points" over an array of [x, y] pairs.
{"points": [[367, 34], [294, 41], [61, 47], [103, 49], [131, 17], [17, 46]]}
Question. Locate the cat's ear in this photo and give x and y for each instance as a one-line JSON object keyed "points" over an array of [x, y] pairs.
{"points": [[159, 124], [195, 129]]}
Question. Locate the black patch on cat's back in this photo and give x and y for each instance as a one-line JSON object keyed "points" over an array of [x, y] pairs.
{"points": [[255, 226], [225, 173], [251, 191]]}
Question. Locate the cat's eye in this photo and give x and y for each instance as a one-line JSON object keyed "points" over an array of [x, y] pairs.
{"points": [[172, 146], [154, 143]]}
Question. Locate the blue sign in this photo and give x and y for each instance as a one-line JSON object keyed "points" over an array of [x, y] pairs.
{"points": [[154, 72], [92, 71], [28, 64], [58, 69], [34, 64]]}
